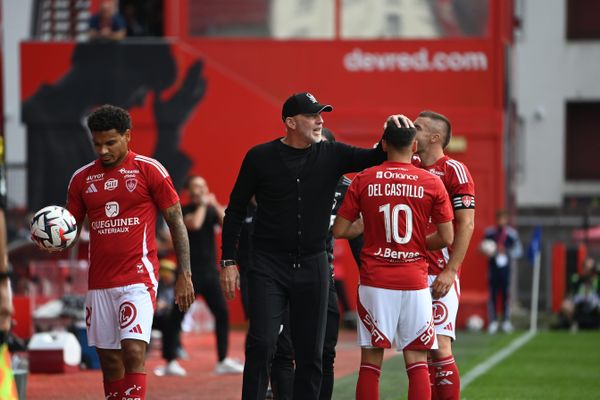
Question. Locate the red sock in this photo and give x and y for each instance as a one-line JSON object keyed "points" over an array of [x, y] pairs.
{"points": [[447, 380], [367, 387], [113, 389], [134, 386], [418, 381], [432, 379]]}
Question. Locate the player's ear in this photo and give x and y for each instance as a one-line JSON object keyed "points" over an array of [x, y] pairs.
{"points": [[414, 145], [384, 145], [127, 135]]}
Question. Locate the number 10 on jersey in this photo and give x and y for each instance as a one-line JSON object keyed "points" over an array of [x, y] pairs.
{"points": [[391, 217]]}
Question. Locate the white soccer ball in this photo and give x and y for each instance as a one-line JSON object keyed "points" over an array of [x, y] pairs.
{"points": [[488, 247], [53, 228], [475, 323]]}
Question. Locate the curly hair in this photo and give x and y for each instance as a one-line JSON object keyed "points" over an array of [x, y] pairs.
{"points": [[109, 117]]}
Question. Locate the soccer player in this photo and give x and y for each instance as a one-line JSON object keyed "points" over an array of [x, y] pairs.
{"points": [[433, 135], [120, 193], [396, 200]]}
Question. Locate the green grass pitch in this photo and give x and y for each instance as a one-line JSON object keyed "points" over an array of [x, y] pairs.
{"points": [[552, 365]]}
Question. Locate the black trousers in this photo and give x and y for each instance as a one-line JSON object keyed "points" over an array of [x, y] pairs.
{"points": [[331, 338], [209, 287], [170, 326], [282, 368], [276, 282], [499, 282]]}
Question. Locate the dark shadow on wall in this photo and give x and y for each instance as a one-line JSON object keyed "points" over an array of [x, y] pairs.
{"points": [[122, 74]]}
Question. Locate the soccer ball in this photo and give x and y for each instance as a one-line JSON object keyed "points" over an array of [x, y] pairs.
{"points": [[488, 247], [475, 323], [53, 228]]}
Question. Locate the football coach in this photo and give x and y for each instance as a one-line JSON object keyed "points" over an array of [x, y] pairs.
{"points": [[293, 179]]}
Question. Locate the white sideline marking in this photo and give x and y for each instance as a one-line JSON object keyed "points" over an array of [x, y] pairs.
{"points": [[488, 364]]}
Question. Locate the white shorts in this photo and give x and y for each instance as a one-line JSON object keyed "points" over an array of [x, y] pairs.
{"points": [[402, 316], [114, 314], [445, 309]]}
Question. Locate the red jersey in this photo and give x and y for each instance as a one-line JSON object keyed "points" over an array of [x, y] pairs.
{"points": [[396, 201], [121, 204], [461, 189]]}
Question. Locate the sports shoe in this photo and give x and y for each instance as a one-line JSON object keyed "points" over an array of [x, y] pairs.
{"points": [[172, 368], [507, 327], [229, 366], [493, 327]]}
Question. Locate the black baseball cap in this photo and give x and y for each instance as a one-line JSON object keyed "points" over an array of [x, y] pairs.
{"points": [[302, 103]]}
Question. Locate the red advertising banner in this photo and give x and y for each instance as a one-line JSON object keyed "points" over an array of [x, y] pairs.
{"points": [[198, 105]]}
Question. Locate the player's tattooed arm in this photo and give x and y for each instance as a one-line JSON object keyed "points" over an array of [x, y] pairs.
{"points": [[184, 289], [174, 219]]}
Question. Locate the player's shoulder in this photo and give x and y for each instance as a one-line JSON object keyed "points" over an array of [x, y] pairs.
{"points": [[84, 171], [456, 168], [454, 164], [144, 163]]}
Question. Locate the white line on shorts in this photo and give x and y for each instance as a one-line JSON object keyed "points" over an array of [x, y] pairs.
{"points": [[488, 364]]}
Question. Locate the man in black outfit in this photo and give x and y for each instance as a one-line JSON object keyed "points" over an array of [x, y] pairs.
{"points": [[293, 179], [201, 216], [282, 368]]}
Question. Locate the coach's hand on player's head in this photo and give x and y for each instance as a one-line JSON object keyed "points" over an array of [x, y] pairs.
{"points": [[401, 121], [184, 291], [230, 281]]}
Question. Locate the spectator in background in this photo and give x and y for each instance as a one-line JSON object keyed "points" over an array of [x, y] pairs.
{"points": [[107, 23], [132, 22], [581, 309], [502, 246], [202, 216]]}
